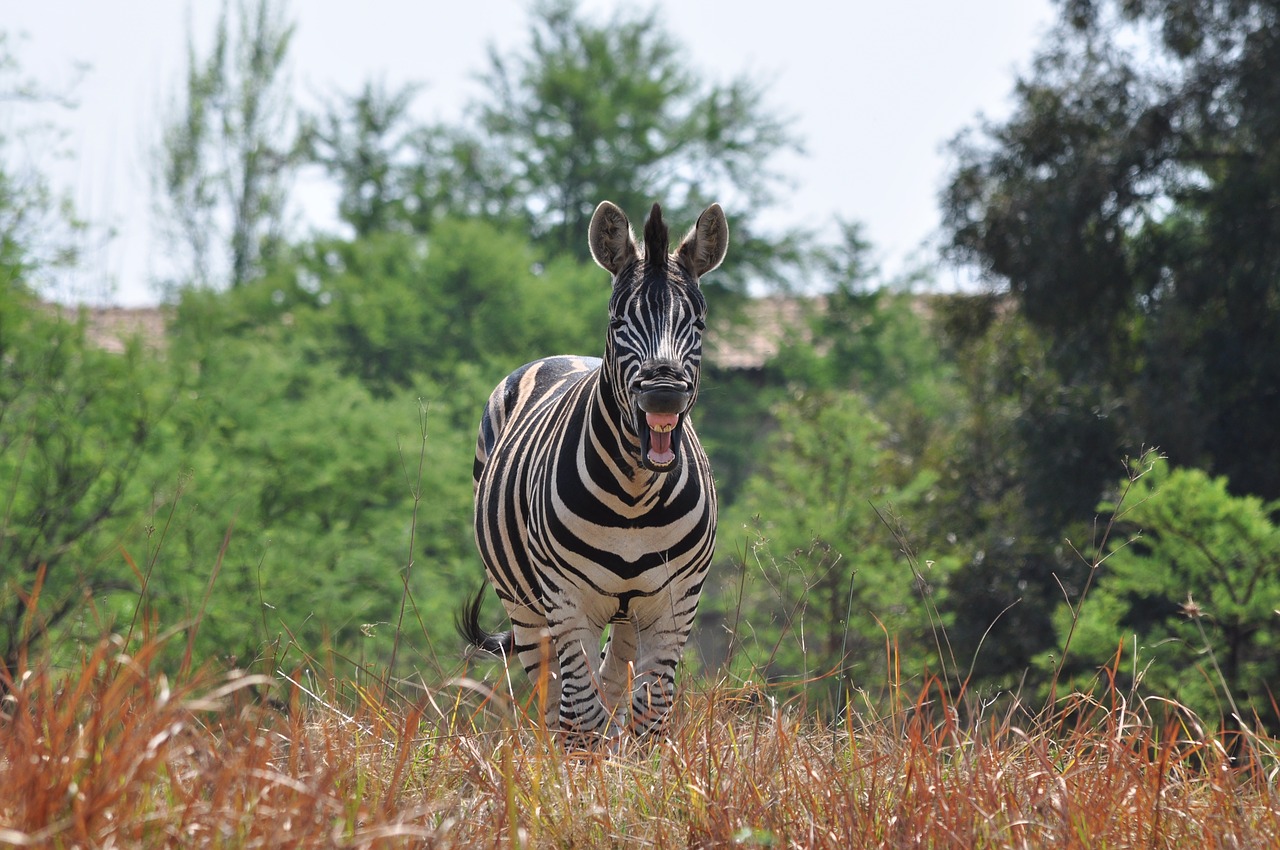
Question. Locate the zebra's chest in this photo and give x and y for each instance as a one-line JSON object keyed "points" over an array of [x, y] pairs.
{"points": [[632, 540], [574, 501]]}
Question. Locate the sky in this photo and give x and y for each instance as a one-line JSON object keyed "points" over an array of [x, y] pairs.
{"points": [[873, 89]]}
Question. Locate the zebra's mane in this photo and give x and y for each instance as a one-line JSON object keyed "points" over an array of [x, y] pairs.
{"points": [[656, 242]]}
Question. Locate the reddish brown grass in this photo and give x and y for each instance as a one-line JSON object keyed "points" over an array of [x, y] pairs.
{"points": [[113, 755]]}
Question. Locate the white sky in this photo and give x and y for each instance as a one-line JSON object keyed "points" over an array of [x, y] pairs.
{"points": [[875, 89]]}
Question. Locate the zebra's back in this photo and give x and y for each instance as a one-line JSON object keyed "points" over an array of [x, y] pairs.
{"points": [[531, 385]]}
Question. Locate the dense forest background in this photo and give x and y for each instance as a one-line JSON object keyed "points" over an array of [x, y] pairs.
{"points": [[1068, 475]]}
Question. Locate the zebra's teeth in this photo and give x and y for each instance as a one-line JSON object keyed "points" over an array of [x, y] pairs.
{"points": [[661, 423]]}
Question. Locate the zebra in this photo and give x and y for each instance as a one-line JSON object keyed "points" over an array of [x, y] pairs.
{"points": [[594, 501]]}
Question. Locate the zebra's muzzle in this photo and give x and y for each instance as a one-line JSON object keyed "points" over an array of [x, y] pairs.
{"points": [[664, 400], [661, 398]]}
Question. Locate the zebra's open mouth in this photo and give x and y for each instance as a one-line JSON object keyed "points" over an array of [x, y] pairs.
{"points": [[659, 438]]}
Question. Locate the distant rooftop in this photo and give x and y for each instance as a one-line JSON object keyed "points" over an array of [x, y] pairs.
{"points": [[750, 344], [746, 345], [109, 327]]}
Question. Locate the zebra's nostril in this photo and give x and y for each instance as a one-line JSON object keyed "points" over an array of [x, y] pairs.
{"points": [[662, 388], [662, 381]]}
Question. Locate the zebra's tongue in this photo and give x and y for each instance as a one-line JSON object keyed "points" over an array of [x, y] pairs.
{"points": [[661, 425]]}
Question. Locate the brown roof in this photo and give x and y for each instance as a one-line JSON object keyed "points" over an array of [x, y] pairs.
{"points": [[110, 327], [748, 344], [768, 323]]}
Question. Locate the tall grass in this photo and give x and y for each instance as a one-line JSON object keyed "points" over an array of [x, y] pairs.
{"points": [[112, 753]]}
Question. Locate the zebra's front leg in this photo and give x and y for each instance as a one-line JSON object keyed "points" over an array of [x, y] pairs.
{"points": [[583, 714], [652, 695], [654, 686], [536, 651]]}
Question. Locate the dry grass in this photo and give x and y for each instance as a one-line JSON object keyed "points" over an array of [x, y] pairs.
{"points": [[113, 755]]}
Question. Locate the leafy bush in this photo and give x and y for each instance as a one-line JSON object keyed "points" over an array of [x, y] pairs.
{"points": [[285, 499], [1187, 594], [76, 423], [820, 541]]}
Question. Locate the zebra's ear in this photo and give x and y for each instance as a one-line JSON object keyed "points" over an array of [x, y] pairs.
{"points": [[610, 239], [704, 247]]}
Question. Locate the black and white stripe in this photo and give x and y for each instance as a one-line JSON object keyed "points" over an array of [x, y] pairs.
{"points": [[595, 507]]}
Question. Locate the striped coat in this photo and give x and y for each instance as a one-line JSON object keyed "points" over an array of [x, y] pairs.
{"points": [[595, 509]]}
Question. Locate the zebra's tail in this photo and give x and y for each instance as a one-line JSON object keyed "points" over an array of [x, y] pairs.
{"points": [[467, 622]]}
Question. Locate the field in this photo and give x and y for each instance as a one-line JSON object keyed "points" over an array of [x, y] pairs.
{"points": [[115, 754]]}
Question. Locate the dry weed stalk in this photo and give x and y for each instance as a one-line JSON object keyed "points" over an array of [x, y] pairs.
{"points": [[112, 754]]}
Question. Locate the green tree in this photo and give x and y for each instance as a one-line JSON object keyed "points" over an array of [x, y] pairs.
{"points": [[1123, 214], [820, 533], [39, 231], [860, 335], [227, 155], [76, 423], [1188, 593], [284, 505], [613, 109], [866, 335], [1128, 205], [299, 429], [395, 308], [1009, 460], [365, 143]]}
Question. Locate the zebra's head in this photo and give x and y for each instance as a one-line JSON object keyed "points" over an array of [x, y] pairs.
{"points": [[657, 314]]}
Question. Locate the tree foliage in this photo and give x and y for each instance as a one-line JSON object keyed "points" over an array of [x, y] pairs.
{"points": [[227, 155], [822, 534], [1188, 593], [303, 435], [75, 421], [614, 109], [393, 309], [1013, 487], [39, 230], [283, 502], [820, 541], [1124, 214], [1129, 205], [365, 142], [76, 424]]}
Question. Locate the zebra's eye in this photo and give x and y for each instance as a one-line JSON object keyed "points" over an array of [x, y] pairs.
{"points": [[700, 323], [616, 324]]}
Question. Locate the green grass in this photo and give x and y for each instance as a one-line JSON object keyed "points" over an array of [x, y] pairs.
{"points": [[113, 753]]}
